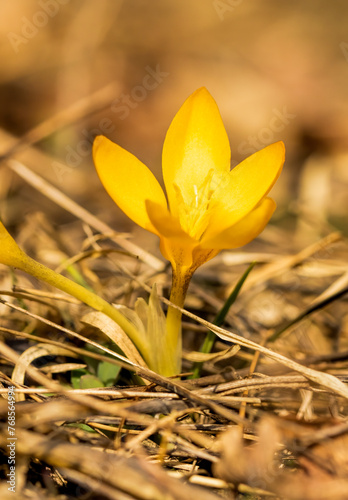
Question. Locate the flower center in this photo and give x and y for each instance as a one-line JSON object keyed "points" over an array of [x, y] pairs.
{"points": [[195, 208]]}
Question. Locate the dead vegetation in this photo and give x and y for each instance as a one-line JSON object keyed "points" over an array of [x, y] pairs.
{"points": [[267, 418]]}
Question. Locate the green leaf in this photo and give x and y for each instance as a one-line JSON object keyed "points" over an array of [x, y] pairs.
{"points": [[90, 382], [84, 427], [82, 379], [108, 373], [76, 376]]}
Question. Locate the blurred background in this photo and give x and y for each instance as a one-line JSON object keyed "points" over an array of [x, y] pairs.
{"points": [[278, 71]]}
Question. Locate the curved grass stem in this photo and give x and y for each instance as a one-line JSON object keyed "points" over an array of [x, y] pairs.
{"points": [[41, 272]]}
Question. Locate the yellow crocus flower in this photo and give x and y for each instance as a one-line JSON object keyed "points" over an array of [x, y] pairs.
{"points": [[209, 207]]}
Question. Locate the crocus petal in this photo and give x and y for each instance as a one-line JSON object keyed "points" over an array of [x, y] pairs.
{"points": [[248, 183], [176, 246], [196, 143], [245, 230], [128, 181], [164, 221]]}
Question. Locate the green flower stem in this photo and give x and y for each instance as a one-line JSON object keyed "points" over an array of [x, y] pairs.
{"points": [[180, 283], [41, 272]]}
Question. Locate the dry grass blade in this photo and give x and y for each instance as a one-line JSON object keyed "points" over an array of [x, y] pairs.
{"points": [[30, 355], [338, 286], [199, 357], [290, 381], [115, 333], [324, 379]]}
